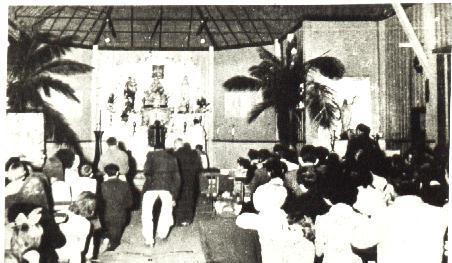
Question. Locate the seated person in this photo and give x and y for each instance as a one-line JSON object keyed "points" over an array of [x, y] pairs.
{"points": [[279, 242]]}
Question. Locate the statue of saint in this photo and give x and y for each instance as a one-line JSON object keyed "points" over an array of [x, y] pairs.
{"points": [[129, 93], [155, 97]]}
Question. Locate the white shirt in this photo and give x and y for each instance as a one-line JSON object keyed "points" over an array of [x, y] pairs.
{"points": [[369, 200], [408, 231], [333, 234], [76, 231]]}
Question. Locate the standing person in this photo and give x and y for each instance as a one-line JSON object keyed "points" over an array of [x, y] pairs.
{"points": [[116, 201], [114, 155], [190, 166], [196, 134], [162, 181]]}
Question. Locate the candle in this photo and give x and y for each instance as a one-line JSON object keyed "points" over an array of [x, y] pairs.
{"points": [[100, 120]]}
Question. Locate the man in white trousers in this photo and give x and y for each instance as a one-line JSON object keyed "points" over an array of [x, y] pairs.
{"points": [[162, 181]]}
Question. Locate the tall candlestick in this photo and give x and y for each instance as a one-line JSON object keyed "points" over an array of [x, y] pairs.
{"points": [[100, 120]]}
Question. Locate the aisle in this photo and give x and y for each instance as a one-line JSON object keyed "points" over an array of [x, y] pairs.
{"points": [[182, 245]]}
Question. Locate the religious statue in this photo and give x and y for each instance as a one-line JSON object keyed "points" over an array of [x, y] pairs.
{"points": [[129, 93], [346, 114], [155, 97]]}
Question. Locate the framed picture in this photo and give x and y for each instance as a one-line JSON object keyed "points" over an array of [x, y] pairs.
{"points": [[158, 71]]}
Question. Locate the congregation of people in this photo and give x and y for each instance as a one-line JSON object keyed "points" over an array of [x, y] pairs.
{"points": [[306, 206], [65, 210], [315, 206]]}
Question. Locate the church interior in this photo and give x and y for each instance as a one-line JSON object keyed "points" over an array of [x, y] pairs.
{"points": [[240, 97]]}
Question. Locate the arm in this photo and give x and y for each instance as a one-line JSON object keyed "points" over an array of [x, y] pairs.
{"points": [[147, 169], [320, 238], [176, 180]]}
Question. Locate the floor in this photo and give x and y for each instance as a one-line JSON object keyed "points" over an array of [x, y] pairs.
{"points": [[183, 245]]}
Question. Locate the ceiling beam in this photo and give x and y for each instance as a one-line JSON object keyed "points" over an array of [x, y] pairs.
{"points": [[67, 23], [216, 25], [189, 26], [160, 28], [54, 20], [131, 26], [166, 19], [412, 37], [102, 27], [268, 29], [46, 16], [227, 25], [240, 24], [81, 22], [252, 22], [209, 34], [92, 27], [144, 32]]}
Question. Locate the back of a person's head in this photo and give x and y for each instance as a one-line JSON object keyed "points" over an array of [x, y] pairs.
{"points": [[344, 193], [111, 169], [264, 154], [279, 149], [321, 153], [245, 163], [333, 161], [406, 184], [85, 205], [178, 143], [253, 154], [307, 153], [66, 156], [363, 128], [290, 155], [17, 170], [275, 167], [11, 161], [111, 141], [199, 147], [360, 174]]}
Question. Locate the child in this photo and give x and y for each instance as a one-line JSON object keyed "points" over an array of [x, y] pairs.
{"points": [[279, 242], [117, 200], [77, 228]]}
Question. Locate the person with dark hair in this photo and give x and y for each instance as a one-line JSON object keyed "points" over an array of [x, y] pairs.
{"points": [[307, 156], [398, 232], [334, 229], [163, 181], [370, 200], [253, 155], [54, 168], [114, 155], [264, 154], [116, 200], [190, 167]]}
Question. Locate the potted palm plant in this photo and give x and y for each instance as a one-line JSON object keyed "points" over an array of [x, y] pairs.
{"points": [[285, 83], [32, 58]]}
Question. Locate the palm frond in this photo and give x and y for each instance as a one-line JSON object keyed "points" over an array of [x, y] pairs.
{"points": [[321, 105], [258, 109], [330, 67], [58, 129], [241, 83], [48, 82], [264, 54], [264, 71], [65, 67]]}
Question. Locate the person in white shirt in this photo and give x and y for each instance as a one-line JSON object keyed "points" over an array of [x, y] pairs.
{"points": [[409, 230], [333, 229], [195, 134], [279, 242]]}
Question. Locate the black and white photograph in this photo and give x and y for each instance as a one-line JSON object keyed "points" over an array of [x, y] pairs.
{"points": [[260, 132]]}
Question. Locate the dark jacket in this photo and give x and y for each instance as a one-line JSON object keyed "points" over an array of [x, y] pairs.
{"points": [[116, 199], [162, 173]]}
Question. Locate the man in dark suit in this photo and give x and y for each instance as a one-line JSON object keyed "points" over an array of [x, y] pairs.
{"points": [[162, 182], [190, 166], [116, 203]]}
